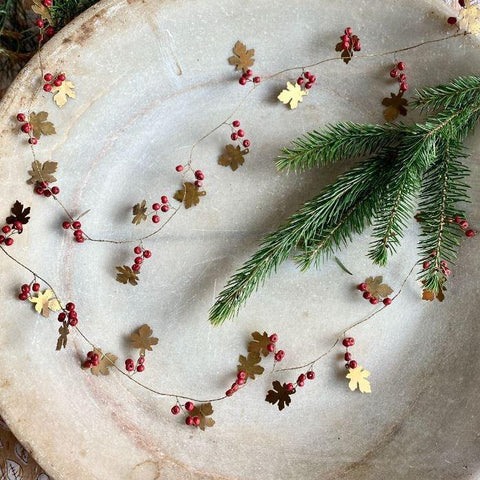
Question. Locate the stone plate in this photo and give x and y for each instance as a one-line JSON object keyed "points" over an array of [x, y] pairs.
{"points": [[152, 77]]}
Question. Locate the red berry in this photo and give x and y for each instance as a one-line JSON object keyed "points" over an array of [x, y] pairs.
{"points": [[240, 381], [273, 338], [94, 357], [87, 364], [198, 183], [241, 133], [199, 174], [57, 82], [175, 410], [289, 386], [141, 360], [452, 20], [300, 384], [36, 287], [50, 31], [401, 65], [90, 354], [236, 123], [306, 74], [279, 355], [458, 218], [300, 81], [62, 316], [17, 225], [20, 117], [394, 73], [48, 77], [249, 73], [165, 208], [136, 267], [39, 190], [26, 127], [353, 364], [25, 288], [367, 295], [242, 81], [426, 265], [77, 225], [2, 238], [403, 87], [308, 85], [464, 225], [47, 87], [461, 3], [138, 260], [374, 300], [6, 229], [242, 374], [137, 250], [234, 136], [147, 253], [22, 296], [357, 46], [348, 342], [310, 374], [55, 190], [312, 78], [346, 45], [61, 77], [345, 38], [40, 23], [348, 31], [79, 239], [271, 347], [78, 233], [32, 141], [470, 233], [257, 80], [403, 77], [179, 168], [47, 193], [70, 306], [229, 392], [196, 421], [189, 406], [155, 219], [189, 421], [387, 301], [301, 378], [9, 242], [140, 368], [47, 3], [362, 287], [347, 356], [73, 322], [156, 206], [164, 199]]}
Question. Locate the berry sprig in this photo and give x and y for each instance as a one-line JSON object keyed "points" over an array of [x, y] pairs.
{"points": [[464, 225], [53, 81], [43, 30], [348, 342], [453, 20], [8, 231], [247, 77], [307, 80], [68, 315], [191, 421], [164, 206], [76, 227], [26, 289], [375, 291], [141, 255], [43, 188], [27, 128], [349, 43], [92, 360], [398, 72], [238, 135], [139, 365]]}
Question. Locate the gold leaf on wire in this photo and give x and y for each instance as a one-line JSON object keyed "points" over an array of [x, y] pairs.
{"points": [[143, 340], [45, 302], [376, 288], [279, 395], [250, 364], [203, 413], [260, 343], [395, 106], [233, 157], [292, 95], [43, 11], [106, 361], [40, 125], [358, 379], [242, 58], [139, 212], [126, 275], [62, 92], [189, 195], [63, 337], [42, 172]]}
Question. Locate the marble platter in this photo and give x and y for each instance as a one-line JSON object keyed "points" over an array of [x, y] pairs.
{"points": [[152, 78]]}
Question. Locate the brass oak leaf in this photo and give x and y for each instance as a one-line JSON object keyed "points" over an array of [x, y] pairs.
{"points": [[45, 302], [126, 275], [395, 106], [203, 413], [260, 343], [358, 378], [40, 125], [106, 361], [233, 157], [280, 395], [139, 212], [62, 92], [243, 58], [62, 339], [143, 339], [42, 172], [250, 365], [376, 288], [189, 195], [293, 94]]}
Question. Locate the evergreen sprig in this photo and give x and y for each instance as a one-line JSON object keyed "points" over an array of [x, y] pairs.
{"points": [[401, 164]]}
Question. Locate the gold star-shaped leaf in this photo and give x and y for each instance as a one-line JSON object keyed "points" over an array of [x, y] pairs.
{"points": [[358, 378], [106, 361], [260, 343], [250, 365], [280, 395], [126, 275], [40, 125], [142, 339], [293, 94], [376, 288], [62, 92], [42, 172], [242, 58], [45, 302], [233, 157], [189, 195]]}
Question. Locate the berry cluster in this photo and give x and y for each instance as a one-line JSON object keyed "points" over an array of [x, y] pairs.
{"points": [[292, 387], [348, 44], [76, 226], [27, 128], [199, 175], [26, 289], [247, 77], [464, 225], [140, 365], [374, 300], [69, 315], [238, 134], [350, 363], [398, 73], [443, 265], [191, 421], [8, 231], [43, 188], [272, 348], [164, 207], [453, 20], [53, 81], [92, 360], [307, 80], [141, 254], [49, 31]]}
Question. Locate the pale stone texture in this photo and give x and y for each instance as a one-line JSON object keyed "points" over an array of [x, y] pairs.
{"points": [[152, 78]]}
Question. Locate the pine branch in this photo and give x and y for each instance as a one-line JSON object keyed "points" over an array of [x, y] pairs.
{"points": [[337, 142], [458, 93], [443, 190]]}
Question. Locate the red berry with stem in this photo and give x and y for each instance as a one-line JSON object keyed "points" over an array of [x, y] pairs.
{"points": [[426, 265], [6, 229], [32, 141], [367, 295], [175, 410], [165, 208], [156, 206], [189, 406], [196, 421], [36, 287], [374, 300], [21, 117], [229, 392], [464, 224], [137, 250], [39, 23], [308, 85], [25, 288], [289, 386], [9, 242], [403, 87], [70, 306], [199, 175], [18, 225], [22, 296], [236, 123], [189, 421], [353, 364], [348, 31], [310, 374], [179, 168], [77, 225], [256, 80], [61, 77], [47, 88], [147, 253], [300, 81], [241, 133], [452, 20], [273, 338], [249, 73], [57, 82], [347, 356], [271, 347], [140, 368], [73, 321], [242, 375], [47, 193], [242, 81], [55, 190], [387, 301], [155, 219], [48, 77], [50, 31], [234, 136], [136, 267], [62, 316], [362, 287], [470, 233], [87, 364], [401, 65], [164, 199], [26, 127], [348, 342]]}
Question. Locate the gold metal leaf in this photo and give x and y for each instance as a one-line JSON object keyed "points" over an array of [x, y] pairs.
{"points": [[189, 195], [62, 92], [40, 125], [233, 157], [126, 275], [139, 212], [42, 172], [142, 339], [242, 58]]}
